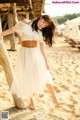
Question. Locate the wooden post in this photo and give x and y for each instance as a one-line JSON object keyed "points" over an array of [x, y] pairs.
{"points": [[15, 18], [13, 5], [43, 10], [6, 64], [4, 60], [12, 37], [27, 15]]}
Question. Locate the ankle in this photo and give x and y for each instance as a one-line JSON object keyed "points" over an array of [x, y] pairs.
{"points": [[31, 107]]}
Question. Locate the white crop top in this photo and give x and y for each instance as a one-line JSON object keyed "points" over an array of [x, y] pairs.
{"points": [[26, 33]]}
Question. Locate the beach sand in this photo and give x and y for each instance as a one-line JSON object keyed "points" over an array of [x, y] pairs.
{"points": [[64, 62]]}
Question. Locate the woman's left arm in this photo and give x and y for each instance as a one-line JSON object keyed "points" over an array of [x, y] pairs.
{"points": [[43, 53]]}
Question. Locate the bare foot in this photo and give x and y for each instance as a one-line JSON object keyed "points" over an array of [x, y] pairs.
{"points": [[51, 90], [57, 103], [31, 107]]}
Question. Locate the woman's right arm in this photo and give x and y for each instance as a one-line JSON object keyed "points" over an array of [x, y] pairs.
{"points": [[7, 32], [17, 28]]}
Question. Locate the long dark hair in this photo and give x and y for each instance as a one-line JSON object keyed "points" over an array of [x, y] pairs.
{"points": [[47, 32]]}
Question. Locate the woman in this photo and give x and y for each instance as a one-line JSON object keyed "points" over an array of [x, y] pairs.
{"points": [[32, 74]]}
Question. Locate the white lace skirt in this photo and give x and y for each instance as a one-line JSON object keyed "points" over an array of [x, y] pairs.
{"points": [[31, 74]]}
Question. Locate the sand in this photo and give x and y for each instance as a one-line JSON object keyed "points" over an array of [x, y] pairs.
{"points": [[64, 62]]}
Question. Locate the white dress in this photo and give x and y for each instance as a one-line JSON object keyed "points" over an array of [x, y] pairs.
{"points": [[31, 74]]}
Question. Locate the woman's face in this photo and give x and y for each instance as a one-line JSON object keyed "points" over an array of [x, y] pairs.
{"points": [[42, 23]]}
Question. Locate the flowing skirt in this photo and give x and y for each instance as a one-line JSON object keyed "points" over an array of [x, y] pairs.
{"points": [[31, 74]]}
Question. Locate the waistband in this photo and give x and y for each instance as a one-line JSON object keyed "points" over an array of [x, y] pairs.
{"points": [[29, 43]]}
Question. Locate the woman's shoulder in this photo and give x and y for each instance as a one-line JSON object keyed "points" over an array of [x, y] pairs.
{"points": [[23, 24], [27, 21]]}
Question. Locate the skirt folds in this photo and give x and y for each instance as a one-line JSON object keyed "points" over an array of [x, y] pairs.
{"points": [[31, 74]]}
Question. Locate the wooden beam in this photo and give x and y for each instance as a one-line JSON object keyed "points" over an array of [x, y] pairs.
{"points": [[26, 10], [13, 1]]}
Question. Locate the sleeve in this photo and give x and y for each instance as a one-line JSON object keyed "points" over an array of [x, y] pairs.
{"points": [[18, 27], [41, 38]]}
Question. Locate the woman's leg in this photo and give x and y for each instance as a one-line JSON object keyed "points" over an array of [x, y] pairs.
{"points": [[51, 90], [31, 106]]}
